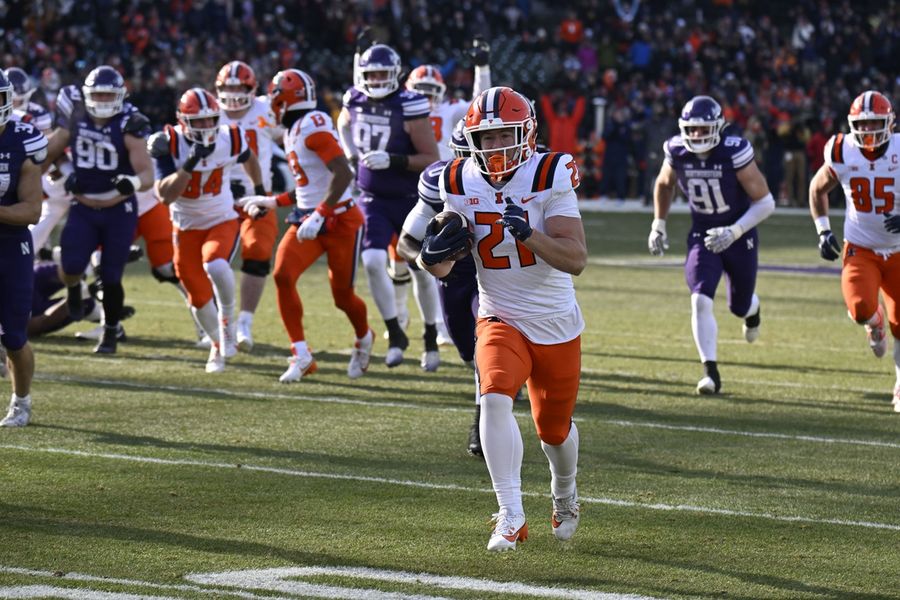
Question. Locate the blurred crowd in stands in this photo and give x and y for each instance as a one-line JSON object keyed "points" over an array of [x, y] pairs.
{"points": [[608, 76]]}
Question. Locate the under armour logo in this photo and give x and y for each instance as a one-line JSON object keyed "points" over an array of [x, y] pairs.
{"points": [[5, 155]]}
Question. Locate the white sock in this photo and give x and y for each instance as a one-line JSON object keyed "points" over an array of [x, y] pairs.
{"points": [[703, 324], [754, 306], [380, 284], [245, 317], [22, 400], [222, 277], [501, 442], [208, 318], [300, 348], [563, 464], [401, 295], [426, 296]]}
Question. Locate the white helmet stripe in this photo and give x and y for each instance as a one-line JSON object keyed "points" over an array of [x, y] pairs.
{"points": [[490, 108], [308, 84], [867, 102]]}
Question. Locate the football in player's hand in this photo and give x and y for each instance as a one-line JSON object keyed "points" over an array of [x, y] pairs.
{"points": [[449, 225]]}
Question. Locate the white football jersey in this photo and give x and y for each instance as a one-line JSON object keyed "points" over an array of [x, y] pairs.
{"points": [[310, 144], [259, 131], [145, 201], [443, 119], [870, 189], [514, 284], [207, 200]]}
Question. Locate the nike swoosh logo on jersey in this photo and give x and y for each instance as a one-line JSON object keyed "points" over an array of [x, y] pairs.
{"points": [[528, 199]]}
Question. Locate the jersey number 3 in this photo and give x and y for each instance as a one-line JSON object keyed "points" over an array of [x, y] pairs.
{"points": [[863, 194]]}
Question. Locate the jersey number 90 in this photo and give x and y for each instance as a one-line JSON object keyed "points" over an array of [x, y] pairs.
{"points": [[90, 154]]}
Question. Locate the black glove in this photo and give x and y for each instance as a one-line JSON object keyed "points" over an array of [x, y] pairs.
{"points": [[829, 247], [480, 52], [198, 153], [892, 222], [364, 40], [71, 184], [438, 246], [237, 189], [514, 220], [126, 184]]}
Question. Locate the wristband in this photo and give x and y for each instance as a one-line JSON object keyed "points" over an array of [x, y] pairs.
{"points": [[399, 161], [190, 164], [260, 190], [822, 224], [284, 199]]}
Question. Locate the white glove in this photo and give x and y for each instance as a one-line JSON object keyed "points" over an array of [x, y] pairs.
{"points": [[658, 242], [311, 226], [719, 239], [255, 205], [376, 160]]}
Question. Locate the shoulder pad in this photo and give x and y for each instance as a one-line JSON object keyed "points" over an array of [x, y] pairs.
{"points": [[136, 124], [837, 149], [452, 177], [158, 145], [545, 171]]}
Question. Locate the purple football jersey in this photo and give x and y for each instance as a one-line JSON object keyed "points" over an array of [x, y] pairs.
{"points": [[19, 142], [98, 152], [377, 124], [710, 184]]}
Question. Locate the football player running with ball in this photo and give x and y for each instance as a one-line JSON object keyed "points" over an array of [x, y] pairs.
{"points": [[528, 242], [728, 197]]}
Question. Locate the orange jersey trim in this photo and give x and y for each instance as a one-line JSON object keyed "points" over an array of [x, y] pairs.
{"points": [[235, 140], [837, 149], [173, 141], [324, 145]]}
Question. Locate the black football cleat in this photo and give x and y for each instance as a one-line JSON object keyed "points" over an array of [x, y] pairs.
{"points": [[109, 340], [474, 447]]}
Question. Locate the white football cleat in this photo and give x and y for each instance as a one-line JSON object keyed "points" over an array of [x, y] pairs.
{"points": [[19, 412], [244, 336], [228, 336], [876, 335], [393, 357], [706, 386], [298, 367], [508, 530], [97, 332], [431, 360], [204, 342], [443, 336], [359, 357], [216, 362], [566, 514]]}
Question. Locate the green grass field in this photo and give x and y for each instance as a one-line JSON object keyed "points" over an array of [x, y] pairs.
{"points": [[143, 477]]}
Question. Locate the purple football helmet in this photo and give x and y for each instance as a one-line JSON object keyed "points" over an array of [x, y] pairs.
{"points": [[6, 98], [107, 83], [378, 71], [23, 86], [701, 124]]}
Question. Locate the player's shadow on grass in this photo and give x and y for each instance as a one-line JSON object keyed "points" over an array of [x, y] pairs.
{"points": [[792, 586], [146, 537]]}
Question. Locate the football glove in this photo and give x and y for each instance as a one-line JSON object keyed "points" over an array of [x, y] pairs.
{"points": [[71, 184], [237, 189], [364, 40], [892, 222], [480, 52], [439, 246], [256, 206], [829, 247], [127, 184], [658, 241], [719, 239], [198, 152], [315, 222], [515, 221], [376, 160]]}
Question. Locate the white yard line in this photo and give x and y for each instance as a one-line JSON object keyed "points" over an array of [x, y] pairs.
{"points": [[467, 409], [450, 487]]}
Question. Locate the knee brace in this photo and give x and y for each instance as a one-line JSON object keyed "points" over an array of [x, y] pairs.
{"points": [[258, 268]]}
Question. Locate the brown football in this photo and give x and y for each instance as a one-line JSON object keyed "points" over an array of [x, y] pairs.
{"points": [[451, 218]]}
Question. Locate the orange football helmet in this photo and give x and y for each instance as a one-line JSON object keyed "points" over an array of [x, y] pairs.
{"points": [[198, 114], [427, 80], [236, 85], [291, 89], [500, 108], [874, 110]]}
